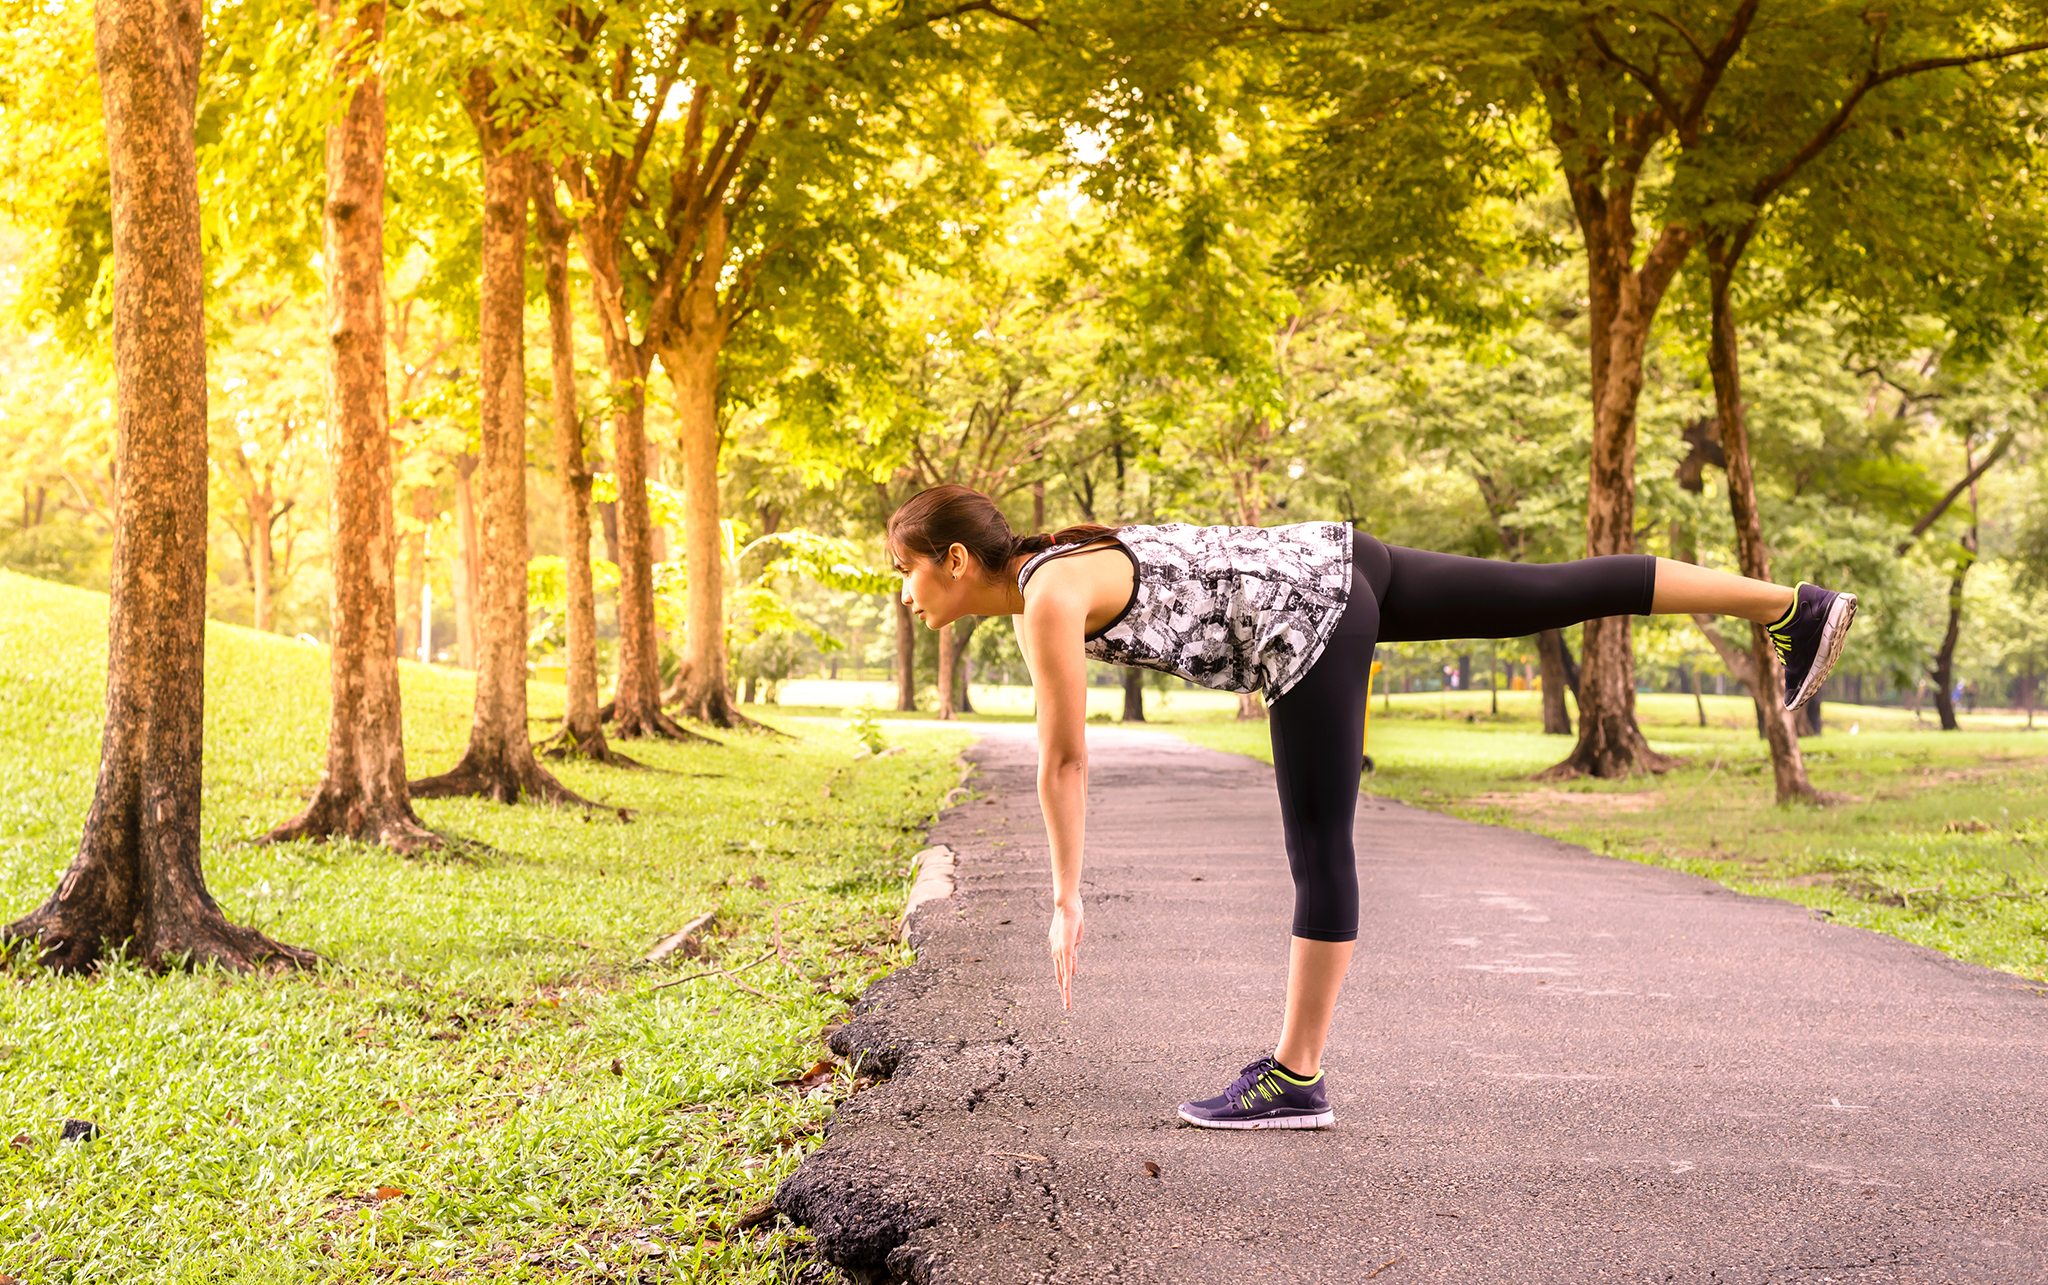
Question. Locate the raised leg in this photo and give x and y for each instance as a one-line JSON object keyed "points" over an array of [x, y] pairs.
{"points": [[1683, 589]]}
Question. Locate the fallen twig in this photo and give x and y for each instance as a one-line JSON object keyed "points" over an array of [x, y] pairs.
{"points": [[676, 940], [1703, 782], [776, 914], [1384, 1266], [1906, 894], [1018, 1155], [727, 973]]}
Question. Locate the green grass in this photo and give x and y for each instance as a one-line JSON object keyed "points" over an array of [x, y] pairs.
{"points": [[1937, 837], [483, 1038]]}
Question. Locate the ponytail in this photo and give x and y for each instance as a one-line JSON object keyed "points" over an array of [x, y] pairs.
{"points": [[939, 517]]}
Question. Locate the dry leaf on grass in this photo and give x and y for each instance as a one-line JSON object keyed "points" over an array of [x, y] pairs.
{"points": [[388, 1193], [820, 1073]]}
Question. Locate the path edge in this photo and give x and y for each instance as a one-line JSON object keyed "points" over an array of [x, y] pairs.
{"points": [[855, 1221]]}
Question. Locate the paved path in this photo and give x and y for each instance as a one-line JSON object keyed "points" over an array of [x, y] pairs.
{"points": [[1548, 1066]]}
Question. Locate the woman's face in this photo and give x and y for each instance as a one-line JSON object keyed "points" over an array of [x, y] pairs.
{"points": [[933, 592]]}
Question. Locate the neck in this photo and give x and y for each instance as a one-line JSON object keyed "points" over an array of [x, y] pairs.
{"points": [[1002, 598]]}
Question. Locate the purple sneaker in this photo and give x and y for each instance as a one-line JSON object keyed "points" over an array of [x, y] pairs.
{"points": [[1809, 639], [1264, 1097]]}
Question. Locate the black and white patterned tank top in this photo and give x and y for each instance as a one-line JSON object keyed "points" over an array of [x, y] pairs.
{"points": [[1230, 607]]}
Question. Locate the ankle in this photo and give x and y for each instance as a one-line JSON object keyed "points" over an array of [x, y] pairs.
{"points": [[1299, 1068]]}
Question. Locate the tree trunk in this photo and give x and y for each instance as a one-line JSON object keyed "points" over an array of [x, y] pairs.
{"points": [[261, 507], [468, 559], [412, 619], [691, 357], [1944, 671], [135, 884], [637, 696], [362, 792], [1250, 708], [498, 762], [906, 658], [1624, 302], [963, 666], [1134, 695], [582, 733], [947, 653], [1551, 660], [1724, 361]]}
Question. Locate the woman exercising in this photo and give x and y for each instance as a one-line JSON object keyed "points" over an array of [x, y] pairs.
{"points": [[1294, 611]]}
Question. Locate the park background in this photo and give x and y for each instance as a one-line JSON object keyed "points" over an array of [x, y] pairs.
{"points": [[1741, 284]]}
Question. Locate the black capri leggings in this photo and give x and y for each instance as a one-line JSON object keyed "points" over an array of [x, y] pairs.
{"points": [[1406, 595]]}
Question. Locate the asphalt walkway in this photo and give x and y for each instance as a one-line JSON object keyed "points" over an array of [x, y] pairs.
{"points": [[1548, 1066]]}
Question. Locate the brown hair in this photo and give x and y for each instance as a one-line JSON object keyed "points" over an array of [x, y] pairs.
{"points": [[939, 517]]}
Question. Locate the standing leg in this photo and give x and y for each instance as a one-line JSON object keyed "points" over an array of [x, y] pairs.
{"points": [[1318, 730]]}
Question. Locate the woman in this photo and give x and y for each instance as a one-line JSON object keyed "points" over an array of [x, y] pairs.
{"points": [[1295, 611]]}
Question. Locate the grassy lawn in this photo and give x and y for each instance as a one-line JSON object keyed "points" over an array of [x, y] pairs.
{"points": [[1937, 837], [484, 1049]]}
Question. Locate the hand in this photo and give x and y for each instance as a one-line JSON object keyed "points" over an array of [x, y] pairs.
{"points": [[1063, 938]]}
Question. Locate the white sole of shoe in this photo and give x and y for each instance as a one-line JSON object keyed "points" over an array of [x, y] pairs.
{"points": [[1320, 1120], [1834, 632]]}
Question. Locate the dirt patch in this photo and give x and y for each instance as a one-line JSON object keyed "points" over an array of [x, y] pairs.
{"points": [[1576, 802]]}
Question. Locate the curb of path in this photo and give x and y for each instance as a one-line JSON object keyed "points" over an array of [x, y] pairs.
{"points": [[858, 1220]]}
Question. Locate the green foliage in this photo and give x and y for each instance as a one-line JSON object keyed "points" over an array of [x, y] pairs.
{"points": [[483, 1037], [65, 552], [866, 730]]}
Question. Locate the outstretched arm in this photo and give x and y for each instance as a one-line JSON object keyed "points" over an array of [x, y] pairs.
{"points": [[1050, 635]]}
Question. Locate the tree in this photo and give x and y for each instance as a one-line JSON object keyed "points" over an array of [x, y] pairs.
{"points": [[582, 731], [362, 790], [266, 406], [135, 885], [803, 139], [1741, 138], [498, 762], [1425, 135], [603, 178]]}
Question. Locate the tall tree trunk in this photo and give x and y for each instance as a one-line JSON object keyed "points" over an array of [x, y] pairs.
{"points": [[582, 733], [261, 506], [468, 562], [1134, 695], [608, 522], [411, 605], [1724, 361], [963, 665], [906, 658], [1250, 708], [947, 654], [1624, 302], [498, 762], [635, 708], [1944, 671], [691, 357], [135, 884], [1553, 663], [362, 792]]}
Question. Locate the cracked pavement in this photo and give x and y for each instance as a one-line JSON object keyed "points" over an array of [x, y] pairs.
{"points": [[1547, 1066]]}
